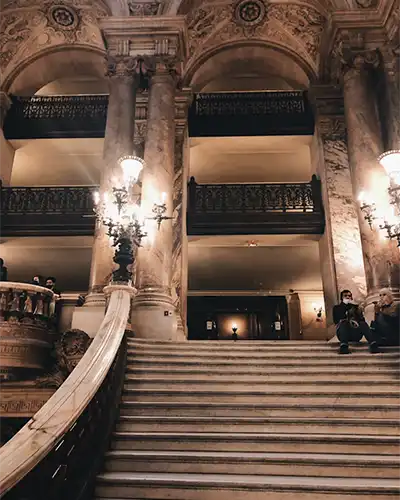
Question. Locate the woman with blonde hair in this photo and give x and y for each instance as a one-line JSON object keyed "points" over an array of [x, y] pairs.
{"points": [[387, 318]]}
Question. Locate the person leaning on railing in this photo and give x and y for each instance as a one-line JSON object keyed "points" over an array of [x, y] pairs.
{"points": [[387, 318], [3, 271]]}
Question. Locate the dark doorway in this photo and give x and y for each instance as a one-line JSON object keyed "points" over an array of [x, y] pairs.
{"points": [[256, 318]]}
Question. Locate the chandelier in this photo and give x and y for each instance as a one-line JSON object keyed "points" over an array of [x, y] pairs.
{"points": [[387, 220]]}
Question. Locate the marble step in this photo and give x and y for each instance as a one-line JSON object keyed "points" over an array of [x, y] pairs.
{"points": [[207, 343], [370, 360], [350, 426], [158, 486], [301, 396], [344, 409], [223, 462], [294, 385], [258, 355], [311, 372], [256, 442]]}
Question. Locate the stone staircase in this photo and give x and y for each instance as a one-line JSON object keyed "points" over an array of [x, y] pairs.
{"points": [[255, 421]]}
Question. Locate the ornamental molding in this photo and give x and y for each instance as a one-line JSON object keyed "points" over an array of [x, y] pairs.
{"points": [[140, 9], [146, 36]]}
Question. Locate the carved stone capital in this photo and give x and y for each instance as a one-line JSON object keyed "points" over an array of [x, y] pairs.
{"points": [[354, 62], [5, 104], [123, 66], [332, 128]]}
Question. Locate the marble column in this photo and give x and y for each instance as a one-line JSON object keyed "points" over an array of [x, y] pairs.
{"points": [[118, 141], [180, 242], [364, 141], [391, 97], [340, 247], [153, 310], [7, 152]]}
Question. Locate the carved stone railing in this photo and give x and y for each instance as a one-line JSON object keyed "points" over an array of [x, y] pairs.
{"points": [[56, 116], [27, 329], [57, 454], [250, 113], [255, 208], [47, 210]]}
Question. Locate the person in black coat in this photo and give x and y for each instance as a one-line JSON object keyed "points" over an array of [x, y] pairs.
{"points": [[351, 325], [3, 271]]}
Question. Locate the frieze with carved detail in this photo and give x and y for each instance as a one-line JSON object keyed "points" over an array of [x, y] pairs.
{"points": [[144, 8]]}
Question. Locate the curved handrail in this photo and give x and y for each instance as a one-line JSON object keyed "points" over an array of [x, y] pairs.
{"points": [[34, 441]]}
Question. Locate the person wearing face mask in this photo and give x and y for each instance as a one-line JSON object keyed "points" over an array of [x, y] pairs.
{"points": [[387, 318], [351, 325]]}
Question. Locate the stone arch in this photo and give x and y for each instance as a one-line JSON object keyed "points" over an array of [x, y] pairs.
{"points": [[53, 64], [258, 59], [294, 29], [28, 32]]}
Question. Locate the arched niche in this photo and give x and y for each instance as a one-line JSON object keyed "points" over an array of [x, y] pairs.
{"points": [[248, 67], [61, 64]]}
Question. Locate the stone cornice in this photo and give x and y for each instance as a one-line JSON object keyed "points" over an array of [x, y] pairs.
{"points": [[146, 36]]}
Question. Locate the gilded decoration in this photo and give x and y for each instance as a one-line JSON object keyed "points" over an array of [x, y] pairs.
{"points": [[297, 27], [27, 27]]}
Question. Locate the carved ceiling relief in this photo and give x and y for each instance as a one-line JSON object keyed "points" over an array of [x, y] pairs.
{"points": [[298, 27], [26, 28]]}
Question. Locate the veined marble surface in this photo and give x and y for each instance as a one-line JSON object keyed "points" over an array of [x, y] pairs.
{"points": [[41, 433]]}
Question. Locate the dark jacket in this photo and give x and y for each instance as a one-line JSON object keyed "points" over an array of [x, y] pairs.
{"points": [[346, 311]]}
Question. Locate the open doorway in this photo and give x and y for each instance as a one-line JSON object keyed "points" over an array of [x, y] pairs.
{"points": [[255, 318]]}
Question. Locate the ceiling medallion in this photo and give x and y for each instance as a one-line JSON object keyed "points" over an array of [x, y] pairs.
{"points": [[64, 17], [249, 12]]}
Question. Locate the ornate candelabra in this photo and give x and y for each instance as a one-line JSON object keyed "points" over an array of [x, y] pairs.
{"points": [[118, 212]]}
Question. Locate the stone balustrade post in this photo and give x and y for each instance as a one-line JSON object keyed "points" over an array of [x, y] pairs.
{"points": [[364, 142]]}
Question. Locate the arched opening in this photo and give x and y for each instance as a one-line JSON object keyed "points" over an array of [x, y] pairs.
{"points": [[248, 67], [227, 275]]}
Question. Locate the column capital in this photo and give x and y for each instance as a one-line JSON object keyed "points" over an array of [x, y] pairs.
{"points": [[5, 104], [123, 66]]}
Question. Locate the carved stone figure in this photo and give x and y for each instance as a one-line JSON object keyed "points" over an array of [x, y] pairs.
{"points": [[68, 351]]}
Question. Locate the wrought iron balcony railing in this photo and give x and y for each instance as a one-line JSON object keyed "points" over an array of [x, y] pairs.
{"points": [[210, 115], [250, 114], [255, 208], [47, 210], [40, 117], [212, 209]]}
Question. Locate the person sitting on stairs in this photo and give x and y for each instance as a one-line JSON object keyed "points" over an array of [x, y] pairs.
{"points": [[351, 325], [387, 318]]}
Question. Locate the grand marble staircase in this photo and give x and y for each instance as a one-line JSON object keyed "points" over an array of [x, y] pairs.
{"points": [[255, 421]]}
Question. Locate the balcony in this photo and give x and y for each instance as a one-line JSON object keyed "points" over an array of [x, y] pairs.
{"points": [[210, 115], [56, 117], [226, 114], [47, 211], [212, 209], [255, 208]]}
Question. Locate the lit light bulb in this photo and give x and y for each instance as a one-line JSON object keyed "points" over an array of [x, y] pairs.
{"points": [[163, 198], [96, 197]]}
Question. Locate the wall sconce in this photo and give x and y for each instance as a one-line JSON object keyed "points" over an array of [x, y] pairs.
{"points": [[368, 207], [159, 210], [234, 330], [318, 309]]}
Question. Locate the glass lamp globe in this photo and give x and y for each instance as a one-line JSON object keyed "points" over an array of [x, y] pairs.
{"points": [[390, 161], [131, 167]]}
